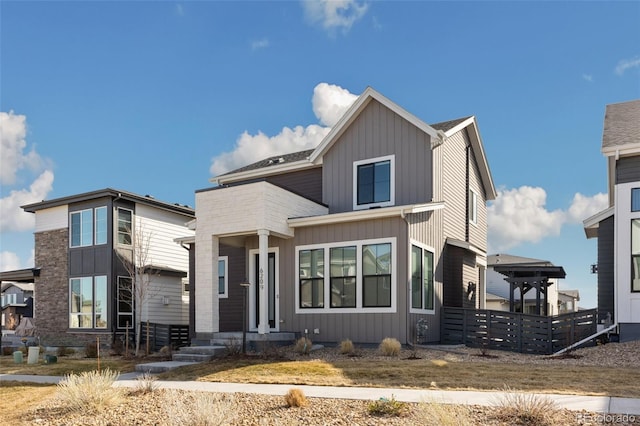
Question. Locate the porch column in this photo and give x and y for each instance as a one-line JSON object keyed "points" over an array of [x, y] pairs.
{"points": [[263, 281]]}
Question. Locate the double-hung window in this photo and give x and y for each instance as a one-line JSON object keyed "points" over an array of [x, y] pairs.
{"points": [[421, 278], [83, 225], [88, 302], [374, 182], [223, 278], [125, 227], [343, 276], [311, 278], [376, 275]]}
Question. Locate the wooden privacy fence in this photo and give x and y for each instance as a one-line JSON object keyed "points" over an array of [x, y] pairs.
{"points": [[161, 335], [512, 331]]}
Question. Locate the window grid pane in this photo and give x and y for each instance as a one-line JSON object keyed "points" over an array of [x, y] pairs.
{"points": [[635, 199], [311, 277], [221, 276], [376, 271], [124, 227], [374, 182], [428, 279], [343, 277], [101, 225], [416, 277]]}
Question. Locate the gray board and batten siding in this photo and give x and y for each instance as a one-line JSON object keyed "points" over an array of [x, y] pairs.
{"points": [[359, 327], [379, 132]]}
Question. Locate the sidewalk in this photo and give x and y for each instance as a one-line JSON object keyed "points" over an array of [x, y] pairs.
{"points": [[599, 404]]}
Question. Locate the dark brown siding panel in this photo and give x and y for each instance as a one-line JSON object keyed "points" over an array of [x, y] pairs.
{"points": [[605, 269], [307, 183], [231, 307], [628, 170]]}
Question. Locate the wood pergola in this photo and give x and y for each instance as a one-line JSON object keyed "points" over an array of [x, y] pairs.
{"points": [[526, 278]]}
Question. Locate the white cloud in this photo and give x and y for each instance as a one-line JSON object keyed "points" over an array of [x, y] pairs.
{"points": [[179, 9], [626, 64], [9, 261], [329, 103], [13, 131], [584, 207], [12, 217], [335, 14], [587, 77], [520, 216], [260, 44]]}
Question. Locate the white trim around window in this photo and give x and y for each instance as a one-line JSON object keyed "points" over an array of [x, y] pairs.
{"points": [[224, 260], [359, 244], [423, 248], [392, 183], [473, 206]]}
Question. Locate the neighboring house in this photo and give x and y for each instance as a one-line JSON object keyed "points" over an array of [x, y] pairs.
{"points": [[375, 229], [83, 290], [16, 301], [617, 228], [542, 274]]}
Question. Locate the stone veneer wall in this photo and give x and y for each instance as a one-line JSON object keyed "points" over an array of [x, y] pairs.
{"points": [[51, 289]]}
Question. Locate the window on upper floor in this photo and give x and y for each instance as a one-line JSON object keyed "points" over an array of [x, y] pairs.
{"points": [[223, 278], [635, 255], [422, 292], [635, 200], [83, 223], [125, 226], [374, 182], [88, 302], [473, 207]]}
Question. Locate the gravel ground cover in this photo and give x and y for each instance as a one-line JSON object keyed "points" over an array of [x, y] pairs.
{"points": [[167, 407]]}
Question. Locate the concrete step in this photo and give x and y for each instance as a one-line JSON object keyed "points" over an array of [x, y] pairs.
{"points": [[191, 357], [161, 367], [214, 350]]}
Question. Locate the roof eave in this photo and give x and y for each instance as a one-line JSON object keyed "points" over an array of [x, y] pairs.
{"points": [[262, 172]]}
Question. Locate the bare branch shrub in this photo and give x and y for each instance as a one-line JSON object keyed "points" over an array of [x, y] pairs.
{"points": [[90, 391]]}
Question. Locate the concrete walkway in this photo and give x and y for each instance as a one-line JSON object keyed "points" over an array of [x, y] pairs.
{"points": [[599, 404]]}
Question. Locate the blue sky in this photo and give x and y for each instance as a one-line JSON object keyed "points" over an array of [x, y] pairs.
{"points": [[157, 97]]}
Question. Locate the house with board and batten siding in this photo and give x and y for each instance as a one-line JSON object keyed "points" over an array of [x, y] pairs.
{"points": [[360, 238], [83, 290], [617, 228]]}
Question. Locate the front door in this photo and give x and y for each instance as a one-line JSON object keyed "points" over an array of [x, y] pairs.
{"points": [[271, 280]]}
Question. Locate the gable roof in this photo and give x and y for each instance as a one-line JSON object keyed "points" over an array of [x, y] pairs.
{"points": [[621, 133], [112, 193], [313, 157]]}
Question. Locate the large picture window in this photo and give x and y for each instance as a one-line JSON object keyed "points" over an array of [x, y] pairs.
{"points": [[311, 278], [422, 293], [343, 277], [635, 255], [346, 277], [82, 227], [373, 182], [88, 304]]}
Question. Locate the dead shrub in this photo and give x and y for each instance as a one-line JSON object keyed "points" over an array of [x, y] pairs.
{"points": [[388, 407], [439, 414], [146, 383], [198, 408], [91, 350], [346, 347], [90, 391], [303, 346], [390, 347], [295, 398], [526, 409]]}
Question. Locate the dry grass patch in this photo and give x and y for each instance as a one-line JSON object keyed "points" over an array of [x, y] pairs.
{"points": [[198, 409], [519, 408], [390, 347], [438, 414], [67, 365], [18, 397]]}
